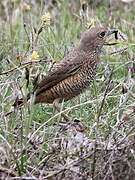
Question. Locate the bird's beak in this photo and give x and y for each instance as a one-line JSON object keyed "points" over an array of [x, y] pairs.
{"points": [[113, 31], [110, 32]]}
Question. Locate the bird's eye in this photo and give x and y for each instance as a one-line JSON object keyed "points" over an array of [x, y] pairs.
{"points": [[102, 34]]}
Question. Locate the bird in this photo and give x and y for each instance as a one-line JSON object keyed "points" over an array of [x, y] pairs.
{"points": [[76, 71]]}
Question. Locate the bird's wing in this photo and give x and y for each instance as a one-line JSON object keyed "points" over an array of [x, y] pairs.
{"points": [[68, 68]]}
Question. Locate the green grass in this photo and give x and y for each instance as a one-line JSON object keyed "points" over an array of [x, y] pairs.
{"points": [[107, 145]]}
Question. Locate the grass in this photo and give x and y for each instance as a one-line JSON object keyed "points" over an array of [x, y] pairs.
{"points": [[35, 141]]}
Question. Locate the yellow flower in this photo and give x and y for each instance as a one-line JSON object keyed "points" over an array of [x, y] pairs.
{"points": [[90, 24], [26, 7], [13, 1], [46, 18], [34, 56]]}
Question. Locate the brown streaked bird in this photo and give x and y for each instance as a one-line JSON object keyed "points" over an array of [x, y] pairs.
{"points": [[75, 72]]}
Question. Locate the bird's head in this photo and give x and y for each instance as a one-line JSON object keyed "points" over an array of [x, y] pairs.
{"points": [[96, 37]]}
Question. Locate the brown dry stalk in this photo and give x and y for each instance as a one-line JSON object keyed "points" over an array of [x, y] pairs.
{"points": [[119, 51], [99, 114], [23, 65]]}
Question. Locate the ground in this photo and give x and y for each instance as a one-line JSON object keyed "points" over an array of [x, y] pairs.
{"points": [[35, 141]]}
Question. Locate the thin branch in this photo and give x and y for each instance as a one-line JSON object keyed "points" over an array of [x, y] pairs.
{"points": [[120, 51], [105, 94], [129, 132], [68, 166], [23, 65], [99, 114], [24, 25], [8, 171]]}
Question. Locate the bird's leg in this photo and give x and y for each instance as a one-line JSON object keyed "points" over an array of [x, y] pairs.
{"points": [[56, 106]]}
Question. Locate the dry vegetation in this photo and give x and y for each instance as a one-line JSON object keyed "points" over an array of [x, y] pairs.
{"points": [[35, 141]]}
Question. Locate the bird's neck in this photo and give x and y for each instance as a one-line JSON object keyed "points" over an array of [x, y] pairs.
{"points": [[90, 49]]}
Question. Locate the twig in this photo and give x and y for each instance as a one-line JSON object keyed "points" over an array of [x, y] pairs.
{"points": [[119, 51], [130, 131], [23, 65], [68, 166], [32, 40], [38, 33], [105, 94], [70, 108], [8, 171], [24, 178], [24, 25], [99, 114]]}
